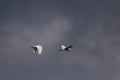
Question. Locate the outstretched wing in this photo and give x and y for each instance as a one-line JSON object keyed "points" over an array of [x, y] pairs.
{"points": [[39, 47], [63, 47], [70, 46]]}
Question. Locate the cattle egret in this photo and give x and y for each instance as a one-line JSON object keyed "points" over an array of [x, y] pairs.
{"points": [[65, 48], [37, 48]]}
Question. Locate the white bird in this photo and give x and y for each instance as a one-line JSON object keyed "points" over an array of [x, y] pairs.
{"points": [[65, 48], [38, 49]]}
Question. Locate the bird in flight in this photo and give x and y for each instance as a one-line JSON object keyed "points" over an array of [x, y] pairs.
{"points": [[37, 49], [65, 48]]}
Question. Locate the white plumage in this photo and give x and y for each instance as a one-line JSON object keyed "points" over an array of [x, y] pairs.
{"points": [[38, 49], [65, 48]]}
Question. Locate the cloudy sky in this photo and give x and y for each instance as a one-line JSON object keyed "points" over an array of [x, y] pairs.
{"points": [[91, 26]]}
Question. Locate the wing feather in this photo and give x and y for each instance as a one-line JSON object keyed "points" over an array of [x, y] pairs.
{"points": [[63, 47], [39, 49]]}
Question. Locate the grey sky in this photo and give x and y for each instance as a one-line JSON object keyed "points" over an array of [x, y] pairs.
{"points": [[92, 26]]}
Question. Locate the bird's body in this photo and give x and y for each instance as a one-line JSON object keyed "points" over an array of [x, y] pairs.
{"points": [[65, 48], [37, 48]]}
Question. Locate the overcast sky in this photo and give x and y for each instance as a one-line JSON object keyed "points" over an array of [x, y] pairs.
{"points": [[91, 26]]}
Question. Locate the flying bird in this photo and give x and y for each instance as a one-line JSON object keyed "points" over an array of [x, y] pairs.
{"points": [[65, 48], [37, 49]]}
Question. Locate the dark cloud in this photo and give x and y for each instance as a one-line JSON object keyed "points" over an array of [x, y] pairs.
{"points": [[91, 26]]}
